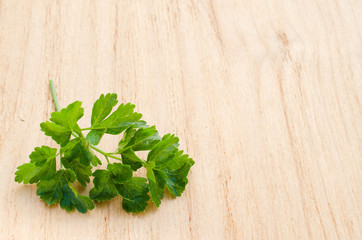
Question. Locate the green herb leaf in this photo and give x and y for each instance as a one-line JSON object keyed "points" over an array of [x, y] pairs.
{"points": [[130, 158], [77, 157], [41, 154], [120, 173], [175, 172], [156, 185], [127, 136], [167, 167], [104, 187], [163, 149], [141, 140], [105, 181], [134, 193], [63, 123], [103, 107], [42, 166], [59, 189], [95, 136], [95, 160], [116, 123], [121, 119]]}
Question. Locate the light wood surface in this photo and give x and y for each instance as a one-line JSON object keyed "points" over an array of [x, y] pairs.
{"points": [[266, 96]]}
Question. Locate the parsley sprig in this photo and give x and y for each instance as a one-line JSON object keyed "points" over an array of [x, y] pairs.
{"points": [[167, 166]]}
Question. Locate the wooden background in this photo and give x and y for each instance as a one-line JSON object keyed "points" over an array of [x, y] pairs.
{"points": [[266, 96]]}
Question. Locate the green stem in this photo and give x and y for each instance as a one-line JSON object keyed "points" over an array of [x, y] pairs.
{"points": [[74, 134], [105, 154], [84, 129], [107, 159], [54, 95], [61, 156], [57, 107]]}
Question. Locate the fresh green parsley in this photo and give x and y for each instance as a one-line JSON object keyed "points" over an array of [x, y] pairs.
{"points": [[166, 165]]}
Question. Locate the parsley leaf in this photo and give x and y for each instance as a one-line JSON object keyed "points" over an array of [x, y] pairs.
{"points": [[130, 158], [116, 123], [167, 166], [59, 189], [117, 179], [63, 123], [156, 185], [77, 157], [164, 149], [105, 181], [175, 172], [42, 166], [95, 160], [104, 187], [141, 140], [134, 193], [41, 154], [121, 119], [136, 140], [103, 107]]}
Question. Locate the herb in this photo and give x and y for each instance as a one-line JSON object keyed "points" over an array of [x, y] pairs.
{"points": [[167, 166]]}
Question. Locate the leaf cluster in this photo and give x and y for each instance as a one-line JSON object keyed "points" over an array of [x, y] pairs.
{"points": [[167, 166]]}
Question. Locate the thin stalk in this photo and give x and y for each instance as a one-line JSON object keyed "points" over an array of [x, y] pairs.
{"points": [[54, 95], [105, 154], [107, 159], [57, 107]]}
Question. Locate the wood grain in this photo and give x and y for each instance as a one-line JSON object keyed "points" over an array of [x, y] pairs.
{"points": [[266, 96]]}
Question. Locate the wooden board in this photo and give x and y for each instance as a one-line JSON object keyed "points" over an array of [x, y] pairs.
{"points": [[264, 95]]}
